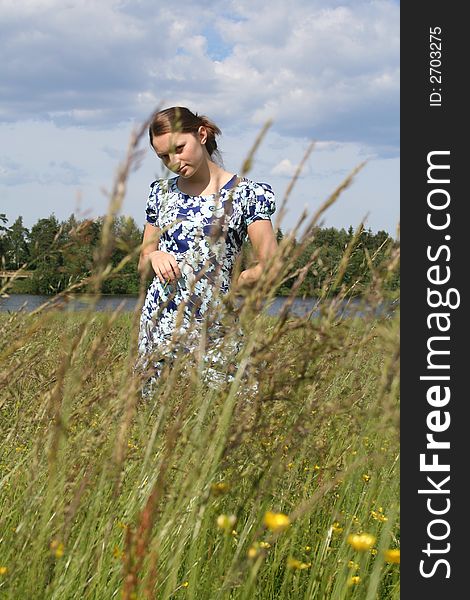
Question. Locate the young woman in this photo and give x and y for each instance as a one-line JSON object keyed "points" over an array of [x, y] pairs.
{"points": [[196, 225]]}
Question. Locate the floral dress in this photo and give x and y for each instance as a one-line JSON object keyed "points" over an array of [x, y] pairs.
{"points": [[205, 235]]}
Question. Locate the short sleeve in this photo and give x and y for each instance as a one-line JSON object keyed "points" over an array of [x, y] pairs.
{"points": [[260, 202], [151, 208]]}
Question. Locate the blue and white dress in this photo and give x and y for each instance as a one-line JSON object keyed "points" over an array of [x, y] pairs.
{"points": [[205, 234]]}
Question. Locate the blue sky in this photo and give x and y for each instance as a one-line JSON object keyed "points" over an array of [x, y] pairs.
{"points": [[77, 76]]}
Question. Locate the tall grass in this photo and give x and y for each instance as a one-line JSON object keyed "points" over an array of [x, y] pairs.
{"points": [[249, 489]]}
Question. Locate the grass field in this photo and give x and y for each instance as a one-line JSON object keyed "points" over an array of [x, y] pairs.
{"points": [[281, 484], [207, 493]]}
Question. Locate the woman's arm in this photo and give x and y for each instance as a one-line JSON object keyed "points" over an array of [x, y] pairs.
{"points": [[164, 264], [149, 244], [263, 240]]}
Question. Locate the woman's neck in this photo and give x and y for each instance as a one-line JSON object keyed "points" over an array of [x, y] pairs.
{"points": [[209, 179]]}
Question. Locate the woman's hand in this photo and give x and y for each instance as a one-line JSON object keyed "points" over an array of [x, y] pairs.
{"points": [[249, 276], [264, 243], [165, 266]]}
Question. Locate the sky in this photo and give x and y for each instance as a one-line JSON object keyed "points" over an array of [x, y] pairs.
{"points": [[78, 76]]}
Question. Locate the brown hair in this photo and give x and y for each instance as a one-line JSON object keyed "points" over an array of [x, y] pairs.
{"points": [[182, 120]]}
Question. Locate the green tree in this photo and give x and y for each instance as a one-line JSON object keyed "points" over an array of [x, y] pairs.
{"points": [[65, 253], [46, 242], [127, 237], [3, 244], [17, 248], [80, 240]]}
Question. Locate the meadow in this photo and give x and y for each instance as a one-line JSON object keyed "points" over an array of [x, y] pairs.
{"points": [[203, 493], [280, 483]]}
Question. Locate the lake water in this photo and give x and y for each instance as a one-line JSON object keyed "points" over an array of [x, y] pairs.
{"points": [[300, 307]]}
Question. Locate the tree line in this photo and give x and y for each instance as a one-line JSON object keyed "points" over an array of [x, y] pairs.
{"points": [[60, 254]]}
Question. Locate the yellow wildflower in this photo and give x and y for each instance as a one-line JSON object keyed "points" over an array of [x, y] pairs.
{"points": [[254, 549], [3, 570], [373, 551], [220, 488], [336, 527], [361, 541], [57, 548], [378, 515], [117, 552], [276, 521], [353, 565], [226, 522], [293, 563], [392, 556], [185, 584], [354, 580], [366, 477], [308, 548]]}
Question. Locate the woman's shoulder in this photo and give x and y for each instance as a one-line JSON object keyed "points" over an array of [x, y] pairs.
{"points": [[162, 185], [253, 186], [257, 200], [250, 187]]}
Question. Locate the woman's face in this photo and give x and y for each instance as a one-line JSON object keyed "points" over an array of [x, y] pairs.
{"points": [[182, 153]]}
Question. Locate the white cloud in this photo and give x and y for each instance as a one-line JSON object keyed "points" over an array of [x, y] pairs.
{"points": [[284, 168], [76, 74], [321, 69]]}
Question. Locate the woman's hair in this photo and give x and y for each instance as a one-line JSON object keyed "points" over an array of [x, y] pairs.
{"points": [[182, 120]]}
